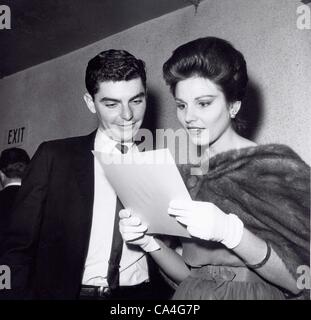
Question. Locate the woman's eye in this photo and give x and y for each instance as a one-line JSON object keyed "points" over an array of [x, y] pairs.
{"points": [[180, 106], [204, 104]]}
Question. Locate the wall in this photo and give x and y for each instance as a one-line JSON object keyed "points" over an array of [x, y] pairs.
{"points": [[49, 96]]}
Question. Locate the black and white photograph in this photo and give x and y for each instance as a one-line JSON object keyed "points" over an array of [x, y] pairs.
{"points": [[155, 150]]}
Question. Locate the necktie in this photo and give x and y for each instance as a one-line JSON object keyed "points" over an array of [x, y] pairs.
{"points": [[122, 148], [117, 241]]}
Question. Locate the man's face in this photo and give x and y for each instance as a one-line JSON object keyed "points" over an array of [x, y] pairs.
{"points": [[120, 107]]}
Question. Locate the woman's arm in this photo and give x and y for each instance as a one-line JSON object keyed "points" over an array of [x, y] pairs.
{"points": [[253, 250], [134, 232], [170, 262], [206, 221]]}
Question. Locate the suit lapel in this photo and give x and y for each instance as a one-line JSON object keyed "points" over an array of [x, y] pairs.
{"points": [[83, 163]]}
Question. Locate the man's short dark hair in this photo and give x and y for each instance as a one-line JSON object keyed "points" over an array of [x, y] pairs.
{"points": [[13, 162], [113, 65]]}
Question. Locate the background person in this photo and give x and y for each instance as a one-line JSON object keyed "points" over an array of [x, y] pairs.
{"points": [[13, 164]]}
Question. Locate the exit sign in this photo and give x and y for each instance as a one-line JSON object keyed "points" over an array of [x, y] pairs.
{"points": [[15, 136]]}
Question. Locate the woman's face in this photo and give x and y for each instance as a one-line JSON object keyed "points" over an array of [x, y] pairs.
{"points": [[202, 110]]}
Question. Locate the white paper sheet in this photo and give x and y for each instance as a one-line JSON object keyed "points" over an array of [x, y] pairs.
{"points": [[146, 182]]}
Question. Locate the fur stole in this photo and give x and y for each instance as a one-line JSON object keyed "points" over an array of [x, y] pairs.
{"points": [[268, 187]]}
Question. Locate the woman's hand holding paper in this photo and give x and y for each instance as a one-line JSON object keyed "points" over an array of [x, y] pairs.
{"points": [[206, 221], [134, 232]]}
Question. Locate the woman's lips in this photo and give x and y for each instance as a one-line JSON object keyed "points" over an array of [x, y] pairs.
{"points": [[195, 130]]}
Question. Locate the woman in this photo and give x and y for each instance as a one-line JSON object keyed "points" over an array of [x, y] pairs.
{"points": [[249, 217]]}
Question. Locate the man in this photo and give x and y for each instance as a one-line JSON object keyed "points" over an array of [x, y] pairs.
{"points": [[64, 248], [13, 163]]}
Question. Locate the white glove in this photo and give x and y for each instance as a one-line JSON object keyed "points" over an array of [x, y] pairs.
{"points": [[133, 232], [206, 221]]}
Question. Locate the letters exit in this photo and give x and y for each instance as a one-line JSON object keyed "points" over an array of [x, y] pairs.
{"points": [[16, 136]]}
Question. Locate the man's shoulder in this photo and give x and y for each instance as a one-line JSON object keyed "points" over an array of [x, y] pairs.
{"points": [[67, 144], [70, 140]]}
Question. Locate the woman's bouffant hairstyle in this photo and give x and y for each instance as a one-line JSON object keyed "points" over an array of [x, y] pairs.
{"points": [[212, 58], [113, 65]]}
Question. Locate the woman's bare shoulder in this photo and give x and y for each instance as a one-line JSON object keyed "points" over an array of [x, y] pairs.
{"points": [[245, 143]]}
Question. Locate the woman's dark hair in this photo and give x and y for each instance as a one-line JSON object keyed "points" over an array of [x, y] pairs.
{"points": [[212, 58], [113, 65]]}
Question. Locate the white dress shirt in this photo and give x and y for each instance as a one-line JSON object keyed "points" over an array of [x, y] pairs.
{"points": [[16, 183], [133, 264]]}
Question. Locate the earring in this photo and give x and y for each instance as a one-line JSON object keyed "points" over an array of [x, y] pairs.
{"points": [[232, 114]]}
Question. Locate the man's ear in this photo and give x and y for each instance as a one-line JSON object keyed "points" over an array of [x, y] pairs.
{"points": [[89, 102], [234, 108]]}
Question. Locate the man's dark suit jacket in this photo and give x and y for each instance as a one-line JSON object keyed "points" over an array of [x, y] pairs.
{"points": [[7, 198], [51, 224]]}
